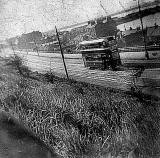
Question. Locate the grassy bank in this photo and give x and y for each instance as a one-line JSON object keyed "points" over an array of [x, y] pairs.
{"points": [[78, 119]]}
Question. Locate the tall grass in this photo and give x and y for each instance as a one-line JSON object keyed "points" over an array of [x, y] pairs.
{"points": [[82, 120], [17, 63]]}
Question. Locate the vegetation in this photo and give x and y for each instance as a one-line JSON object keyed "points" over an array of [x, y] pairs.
{"points": [[79, 119], [17, 63]]}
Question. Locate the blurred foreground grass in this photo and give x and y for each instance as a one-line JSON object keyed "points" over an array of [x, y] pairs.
{"points": [[79, 119]]}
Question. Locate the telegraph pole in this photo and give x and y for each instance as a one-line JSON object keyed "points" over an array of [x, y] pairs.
{"points": [[62, 53], [12, 48], [103, 8], [144, 38]]}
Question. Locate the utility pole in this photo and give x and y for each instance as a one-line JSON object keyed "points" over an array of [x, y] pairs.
{"points": [[62, 53], [144, 38], [12, 48], [103, 8], [122, 6]]}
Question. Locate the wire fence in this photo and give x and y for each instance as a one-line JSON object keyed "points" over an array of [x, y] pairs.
{"points": [[45, 62], [52, 62]]}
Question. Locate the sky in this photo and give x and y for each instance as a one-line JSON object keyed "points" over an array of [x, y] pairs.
{"points": [[23, 16]]}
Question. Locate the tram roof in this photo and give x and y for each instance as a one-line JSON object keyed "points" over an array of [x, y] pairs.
{"points": [[92, 41]]}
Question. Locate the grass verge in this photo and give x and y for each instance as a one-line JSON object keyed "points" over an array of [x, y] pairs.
{"points": [[79, 119]]}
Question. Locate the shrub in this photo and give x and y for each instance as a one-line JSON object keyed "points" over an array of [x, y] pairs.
{"points": [[17, 63]]}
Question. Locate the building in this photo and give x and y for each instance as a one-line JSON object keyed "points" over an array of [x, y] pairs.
{"points": [[125, 24], [128, 22]]}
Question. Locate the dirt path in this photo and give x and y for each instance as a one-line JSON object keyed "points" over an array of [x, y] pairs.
{"points": [[18, 142]]}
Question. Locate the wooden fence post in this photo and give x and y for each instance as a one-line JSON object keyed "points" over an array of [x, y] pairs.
{"points": [[62, 53]]}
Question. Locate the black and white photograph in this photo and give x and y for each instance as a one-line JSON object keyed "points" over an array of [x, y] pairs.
{"points": [[79, 78]]}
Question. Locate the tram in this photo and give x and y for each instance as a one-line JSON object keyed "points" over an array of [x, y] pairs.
{"points": [[100, 53], [104, 54]]}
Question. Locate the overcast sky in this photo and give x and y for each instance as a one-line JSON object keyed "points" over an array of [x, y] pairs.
{"points": [[22, 16]]}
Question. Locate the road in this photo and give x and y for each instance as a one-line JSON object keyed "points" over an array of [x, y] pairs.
{"points": [[149, 82]]}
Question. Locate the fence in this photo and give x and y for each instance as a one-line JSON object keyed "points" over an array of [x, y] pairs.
{"points": [[124, 80], [44, 62]]}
